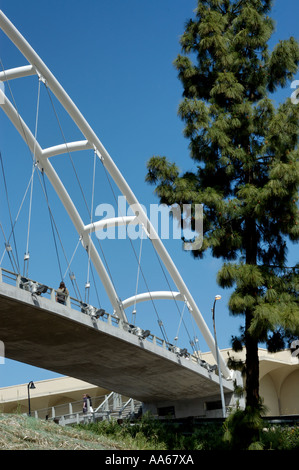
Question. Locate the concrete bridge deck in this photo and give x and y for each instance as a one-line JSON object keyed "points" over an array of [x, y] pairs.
{"points": [[41, 332]]}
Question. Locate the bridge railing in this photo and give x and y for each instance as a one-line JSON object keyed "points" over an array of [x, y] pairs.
{"points": [[66, 409], [104, 407], [34, 287]]}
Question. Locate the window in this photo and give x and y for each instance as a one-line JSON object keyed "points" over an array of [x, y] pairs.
{"points": [[166, 411]]}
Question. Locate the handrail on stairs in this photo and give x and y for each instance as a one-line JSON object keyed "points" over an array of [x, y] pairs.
{"points": [[106, 401]]}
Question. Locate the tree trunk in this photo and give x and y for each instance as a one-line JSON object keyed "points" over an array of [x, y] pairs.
{"points": [[252, 366], [251, 344]]}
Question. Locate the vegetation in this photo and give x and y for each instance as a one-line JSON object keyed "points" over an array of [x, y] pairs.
{"points": [[245, 169], [152, 434], [20, 432]]}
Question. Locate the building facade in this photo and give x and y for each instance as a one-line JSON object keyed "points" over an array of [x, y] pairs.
{"points": [[278, 380]]}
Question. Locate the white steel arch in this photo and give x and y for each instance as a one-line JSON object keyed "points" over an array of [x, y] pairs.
{"points": [[37, 66], [144, 297]]}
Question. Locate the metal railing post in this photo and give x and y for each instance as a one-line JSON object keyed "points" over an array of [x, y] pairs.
{"points": [[52, 294]]}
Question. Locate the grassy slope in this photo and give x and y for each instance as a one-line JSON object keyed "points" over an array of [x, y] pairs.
{"points": [[19, 432]]}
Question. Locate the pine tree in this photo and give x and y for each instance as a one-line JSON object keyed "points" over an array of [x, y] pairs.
{"points": [[245, 149]]}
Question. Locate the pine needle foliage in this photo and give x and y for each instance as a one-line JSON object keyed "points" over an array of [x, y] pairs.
{"points": [[245, 150]]}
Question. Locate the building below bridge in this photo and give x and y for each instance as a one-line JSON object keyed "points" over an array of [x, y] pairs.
{"points": [[47, 394], [279, 385], [278, 381]]}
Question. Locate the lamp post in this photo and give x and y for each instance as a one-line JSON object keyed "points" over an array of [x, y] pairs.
{"points": [[29, 386], [218, 297]]}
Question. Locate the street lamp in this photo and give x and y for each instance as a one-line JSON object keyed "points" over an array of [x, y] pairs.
{"points": [[218, 297], [29, 386]]}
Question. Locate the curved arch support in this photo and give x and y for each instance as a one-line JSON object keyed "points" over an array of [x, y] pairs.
{"points": [[113, 222], [45, 74], [17, 72], [65, 148], [155, 295]]}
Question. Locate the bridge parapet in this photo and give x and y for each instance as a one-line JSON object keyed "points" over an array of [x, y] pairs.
{"points": [[98, 314]]}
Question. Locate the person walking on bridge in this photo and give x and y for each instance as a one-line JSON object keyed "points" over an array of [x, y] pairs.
{"points": [[84, 403], [62, 293]]}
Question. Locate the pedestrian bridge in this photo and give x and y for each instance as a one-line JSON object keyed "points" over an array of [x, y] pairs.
{"points": [[98, 347]]}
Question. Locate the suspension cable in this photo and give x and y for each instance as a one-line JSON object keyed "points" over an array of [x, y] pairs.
{"points": [[24, 135], [68, 152], [17, 216], [9, 252], [8, 205], [52, 225], [71, 260], [137, 280], [194, 343], [26, 256], [87, 285], [71, 273], [95, 286], [81, 190], [160, 322], [180, 322], [175, 301]]}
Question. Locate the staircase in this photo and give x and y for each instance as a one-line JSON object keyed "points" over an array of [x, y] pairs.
{"points": [[112, 406]]}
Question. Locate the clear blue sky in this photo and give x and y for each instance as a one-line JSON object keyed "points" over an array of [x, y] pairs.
{"points": [[115, 60]]}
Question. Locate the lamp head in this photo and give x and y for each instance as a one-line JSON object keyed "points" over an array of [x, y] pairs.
{"points": [[217, 297], [145, 334]]}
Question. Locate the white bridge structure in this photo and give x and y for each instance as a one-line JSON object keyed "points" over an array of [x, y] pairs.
{"points": [[172, 377]]}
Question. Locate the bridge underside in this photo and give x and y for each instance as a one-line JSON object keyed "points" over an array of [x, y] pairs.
{"points": [[43, 333]]}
